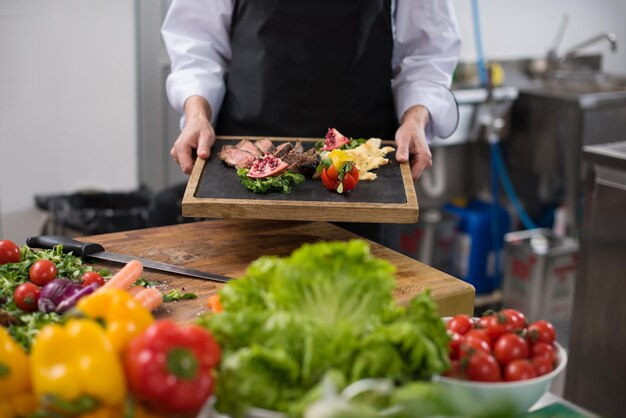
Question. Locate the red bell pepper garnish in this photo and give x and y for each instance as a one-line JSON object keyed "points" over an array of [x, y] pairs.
{"points": [[170, 367]]}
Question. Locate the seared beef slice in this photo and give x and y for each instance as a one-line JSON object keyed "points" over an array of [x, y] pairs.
{"points": [[283, 149], [302, 162], [249, 147], [265, 146], [236, 157]]}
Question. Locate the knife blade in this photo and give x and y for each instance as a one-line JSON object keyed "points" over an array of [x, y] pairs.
{"points": [[94, 250]]}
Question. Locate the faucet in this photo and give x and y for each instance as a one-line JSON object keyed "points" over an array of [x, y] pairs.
{"points": [[593, 40], [553, 60]]}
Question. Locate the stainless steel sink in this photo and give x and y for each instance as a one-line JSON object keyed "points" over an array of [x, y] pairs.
{"points": [[554, 119], [590, 90], [595, 81]]}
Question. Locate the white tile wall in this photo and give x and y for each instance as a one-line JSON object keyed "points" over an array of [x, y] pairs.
{"points": [[67, 103]]}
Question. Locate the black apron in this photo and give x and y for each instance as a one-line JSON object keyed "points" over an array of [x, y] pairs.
{"points": [[299, 67]]}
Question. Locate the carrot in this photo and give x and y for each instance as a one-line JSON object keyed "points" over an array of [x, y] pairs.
{"points": [[150, 298], [126, 276], [214, 303], [135, 289]]}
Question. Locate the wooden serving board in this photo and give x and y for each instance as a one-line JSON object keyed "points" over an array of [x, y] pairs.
{"points": [[214, 191], [227, 247]]}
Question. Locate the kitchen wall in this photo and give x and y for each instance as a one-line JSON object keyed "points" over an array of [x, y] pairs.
{"points": [[68, 88], [519, 29], [68, 116]]}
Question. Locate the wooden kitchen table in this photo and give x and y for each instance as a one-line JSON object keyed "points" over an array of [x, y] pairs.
{"points": [[227, 247]]}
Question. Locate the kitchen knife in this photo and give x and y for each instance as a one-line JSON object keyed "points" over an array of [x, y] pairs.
{"points": [[94, 250]]}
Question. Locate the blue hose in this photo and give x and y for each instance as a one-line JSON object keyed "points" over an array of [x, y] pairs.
{"points": [[482, 70], [498, 164], [498, 169], [496, 234]]}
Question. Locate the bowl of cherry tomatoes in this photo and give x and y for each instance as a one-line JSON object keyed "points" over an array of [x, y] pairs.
{"points": [[502, 356]]}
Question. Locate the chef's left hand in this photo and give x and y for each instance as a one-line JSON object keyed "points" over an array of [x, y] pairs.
{"points": [[411, 140]]}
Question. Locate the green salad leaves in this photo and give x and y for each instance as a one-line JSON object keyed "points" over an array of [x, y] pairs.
{"points": [[354, 143], [25, 326], [327, 308], [380, 398], [282, 183]]}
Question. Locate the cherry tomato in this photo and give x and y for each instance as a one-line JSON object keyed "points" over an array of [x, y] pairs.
{"points": [[479, 334], [90, 277], [330, 178], [541, 331], [332, 172], [460, 324], [42, 272], [9, 252], [472, 346], [354, 172], [510, 347], [542, 365], [349, 182], [482, 367], [513, 320], [543, 350], [454, 370], [455, 343], [520, 369], [26, 296], [330, 184], [493, 326]]}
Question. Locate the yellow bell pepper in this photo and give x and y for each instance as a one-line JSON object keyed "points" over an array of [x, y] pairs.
{"points": [[123, 317], [339, 158], [16, 397], [75, 368]]}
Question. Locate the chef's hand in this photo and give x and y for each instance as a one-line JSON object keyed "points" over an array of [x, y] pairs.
{"points": [[411, 140], [197, 134]]}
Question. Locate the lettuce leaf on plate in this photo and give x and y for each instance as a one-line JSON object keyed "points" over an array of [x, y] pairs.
{"points": [[282, 183]]}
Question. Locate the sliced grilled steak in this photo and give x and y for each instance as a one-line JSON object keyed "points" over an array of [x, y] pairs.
{"points": [[283, 149], [250, 147], [302, 162], [298, 147], [294, 154], [310, 161], [236, 157], [265, 145]]}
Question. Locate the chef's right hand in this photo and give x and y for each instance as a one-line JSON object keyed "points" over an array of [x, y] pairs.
{"points": [[197, 134]]}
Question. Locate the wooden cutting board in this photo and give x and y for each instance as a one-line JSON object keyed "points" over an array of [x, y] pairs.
{"points": [[227, 247], [214, 190]]}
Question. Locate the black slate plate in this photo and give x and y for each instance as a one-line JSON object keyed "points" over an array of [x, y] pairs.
{"points": [[219, 181]]}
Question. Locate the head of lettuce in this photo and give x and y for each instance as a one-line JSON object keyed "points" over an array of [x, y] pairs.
{"points": [[325, 309]]}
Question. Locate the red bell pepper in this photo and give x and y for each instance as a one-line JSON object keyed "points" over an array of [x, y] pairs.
{"points": [[170, 367]]}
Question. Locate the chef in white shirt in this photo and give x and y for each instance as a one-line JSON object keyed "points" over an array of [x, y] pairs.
{"points": [[370, 68]]}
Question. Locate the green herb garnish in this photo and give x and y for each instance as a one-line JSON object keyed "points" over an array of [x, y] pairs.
{"points": [[146, 283], [174, 295], [354, 143], [283, 183]]}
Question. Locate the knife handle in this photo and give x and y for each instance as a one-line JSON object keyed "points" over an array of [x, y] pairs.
{"points": [[78, 248]]}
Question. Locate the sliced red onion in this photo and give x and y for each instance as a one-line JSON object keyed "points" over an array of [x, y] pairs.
{"points": [[56, 292], [69, 302]]}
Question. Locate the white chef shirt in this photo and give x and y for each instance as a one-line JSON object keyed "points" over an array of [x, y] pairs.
{"points": [[426, 47]]}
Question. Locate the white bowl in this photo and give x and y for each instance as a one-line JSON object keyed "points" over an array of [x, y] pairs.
{"points": [[522, 394]]}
